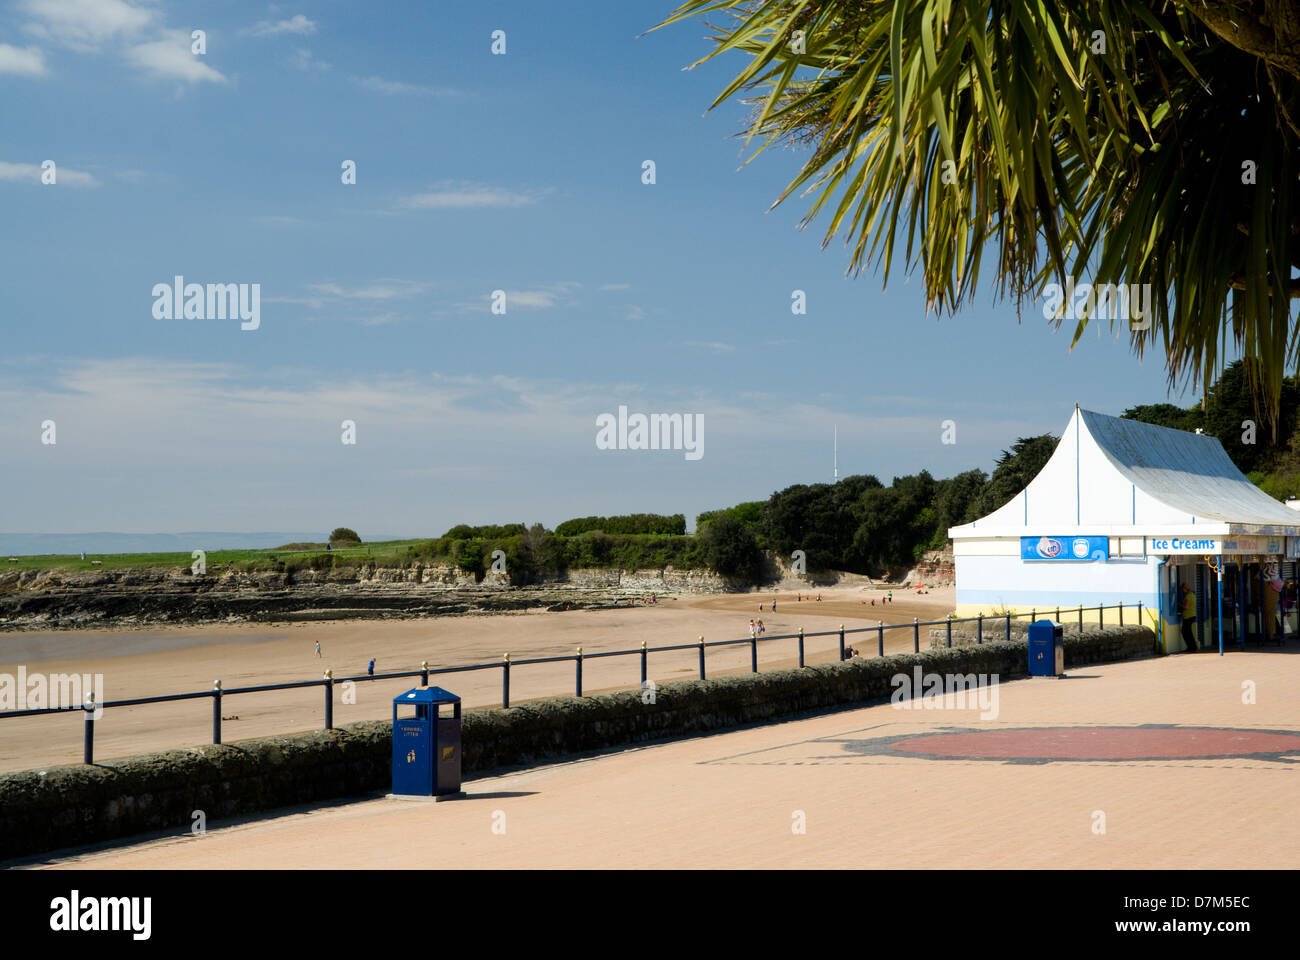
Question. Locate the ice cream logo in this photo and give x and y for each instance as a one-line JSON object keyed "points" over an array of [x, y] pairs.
{"points": [[1048, 548], [1080, 547]]}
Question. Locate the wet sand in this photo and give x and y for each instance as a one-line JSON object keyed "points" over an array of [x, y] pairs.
{"points": [[151, 662]]}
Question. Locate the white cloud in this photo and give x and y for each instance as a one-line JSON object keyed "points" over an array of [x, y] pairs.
{"points": [[84, 24], [303, 60], [24, 62], [711, 345], [383, 290], [394, 88], [170, 58], [537, 298], [452, 194], [31, 173], [297, 24]]}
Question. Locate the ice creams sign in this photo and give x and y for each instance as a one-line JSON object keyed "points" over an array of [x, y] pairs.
{"points": [[1263, 545], [1064, 548]]}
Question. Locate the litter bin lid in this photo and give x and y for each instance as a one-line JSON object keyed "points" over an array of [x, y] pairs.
{"points": [[426, 695]]}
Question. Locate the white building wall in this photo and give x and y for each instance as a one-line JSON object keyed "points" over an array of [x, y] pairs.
{"points": [[985, 583]]}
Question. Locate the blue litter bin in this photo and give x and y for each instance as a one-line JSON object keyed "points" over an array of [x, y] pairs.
{"points": [[1046, 649], [426, 746]]}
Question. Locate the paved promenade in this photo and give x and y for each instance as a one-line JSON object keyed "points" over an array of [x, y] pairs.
{"points": [[1154, 764]]}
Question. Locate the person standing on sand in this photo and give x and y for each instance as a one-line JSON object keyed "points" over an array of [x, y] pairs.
{"points": [[370, 667], [752, 630], [317, 649], [774, 604]]}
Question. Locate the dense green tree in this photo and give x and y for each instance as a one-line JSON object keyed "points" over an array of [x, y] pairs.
{"points": [[731, 550], [955, 501], [1163, 415], [635, 523], [344, 535]]}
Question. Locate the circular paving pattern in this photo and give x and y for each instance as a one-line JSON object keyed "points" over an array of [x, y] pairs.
{"points": [[1102, 743]]}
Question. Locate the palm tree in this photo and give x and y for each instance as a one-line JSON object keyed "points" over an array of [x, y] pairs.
{"points": [[1118, 141]]}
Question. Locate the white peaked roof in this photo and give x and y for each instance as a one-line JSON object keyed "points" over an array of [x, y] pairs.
{"points": [[1115, 476]]}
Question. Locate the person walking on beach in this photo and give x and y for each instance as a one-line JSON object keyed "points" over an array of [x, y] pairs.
{"points": [[753, 630], [370, 667], [317, 649], [1188, 610], [774, 604]]}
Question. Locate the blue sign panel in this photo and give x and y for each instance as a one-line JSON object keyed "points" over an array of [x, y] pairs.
{"points": [[1064, 548]]}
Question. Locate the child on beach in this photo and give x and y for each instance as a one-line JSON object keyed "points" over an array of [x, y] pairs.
{"points": [[317, 649], [370, 667]]}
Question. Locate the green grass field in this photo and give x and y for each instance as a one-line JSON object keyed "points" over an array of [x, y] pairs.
{"points": [[383, 553]]}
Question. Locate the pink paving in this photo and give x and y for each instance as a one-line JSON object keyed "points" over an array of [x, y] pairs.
{"points": [[1104, 743]]}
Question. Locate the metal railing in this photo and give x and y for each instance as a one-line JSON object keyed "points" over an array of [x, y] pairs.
{"points": [[506, 664]]}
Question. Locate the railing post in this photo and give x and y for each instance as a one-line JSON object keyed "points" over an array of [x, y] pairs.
{"points": [[753, 653], [801, 646], [1008, 626], [89, 752], [216, 711], [880, 637], [979, 629], [329, 699], [1033, 615], [916, 635], [643, 665], [1121, 613], [1140, 613], [424, 673], [505, 681], [1081, 618], [1101, 616], [1058, 614], [578, 661], [950, 632], [841, 647], [701, 658]]}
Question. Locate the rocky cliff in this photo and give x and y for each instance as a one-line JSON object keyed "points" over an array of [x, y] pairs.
{"points": [[55, 599], [935, 568]]}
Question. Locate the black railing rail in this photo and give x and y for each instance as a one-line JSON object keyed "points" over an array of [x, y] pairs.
{"points": [[219, 692]]}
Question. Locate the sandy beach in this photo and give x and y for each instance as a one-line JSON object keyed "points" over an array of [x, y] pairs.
{"points": [[151, 662]]}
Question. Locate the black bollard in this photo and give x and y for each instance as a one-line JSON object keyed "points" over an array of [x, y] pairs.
{"points": [[216, 711]]}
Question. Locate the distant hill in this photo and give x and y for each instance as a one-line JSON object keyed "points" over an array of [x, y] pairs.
{"points": [[29, 544]]}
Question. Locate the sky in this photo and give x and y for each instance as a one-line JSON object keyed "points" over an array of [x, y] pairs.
{"points": [[475, 172]]}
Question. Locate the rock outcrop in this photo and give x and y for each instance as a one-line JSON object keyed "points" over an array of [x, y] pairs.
{"points": [[62, 599]]}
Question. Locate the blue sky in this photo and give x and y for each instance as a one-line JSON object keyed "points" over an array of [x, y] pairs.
{"points": [[474, 172]]}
